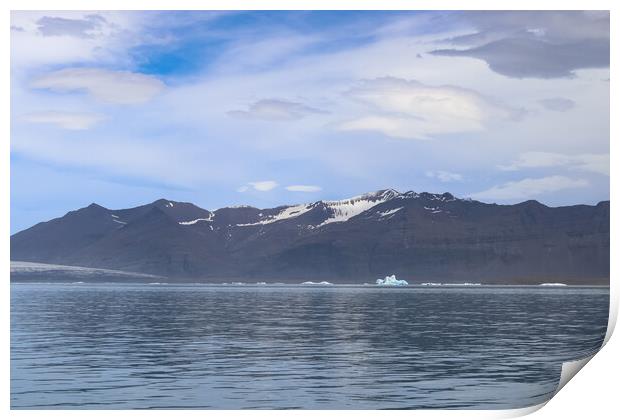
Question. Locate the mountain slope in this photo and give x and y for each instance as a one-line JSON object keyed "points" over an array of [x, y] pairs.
{"points": [[421, 237]]}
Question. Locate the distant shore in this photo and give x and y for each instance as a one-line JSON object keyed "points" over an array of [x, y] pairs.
{"points": [[29, 272]]}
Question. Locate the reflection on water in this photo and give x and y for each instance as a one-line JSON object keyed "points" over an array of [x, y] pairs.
{"points": [[184, 346]]}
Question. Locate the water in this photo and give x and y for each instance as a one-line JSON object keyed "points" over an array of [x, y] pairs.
{"points": [[117, 346]]}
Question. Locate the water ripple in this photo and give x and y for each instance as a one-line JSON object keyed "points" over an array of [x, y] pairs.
{"points": [[180, 346]]}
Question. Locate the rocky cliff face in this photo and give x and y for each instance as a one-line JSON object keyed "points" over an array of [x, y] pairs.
{"points": [[420, 237]]}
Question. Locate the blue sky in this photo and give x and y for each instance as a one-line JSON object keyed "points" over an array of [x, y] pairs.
{"points": [[270, 108]]}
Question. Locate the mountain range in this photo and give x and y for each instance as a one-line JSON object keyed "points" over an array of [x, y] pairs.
{"points": [[419, 237]]}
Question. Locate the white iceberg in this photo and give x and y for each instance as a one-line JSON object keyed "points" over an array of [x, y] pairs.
{"points": [[391, 281], [552, 284], [321, 283]]}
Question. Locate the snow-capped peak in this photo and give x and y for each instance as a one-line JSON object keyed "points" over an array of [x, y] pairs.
{"points": [[335, 210], [384, 195]]}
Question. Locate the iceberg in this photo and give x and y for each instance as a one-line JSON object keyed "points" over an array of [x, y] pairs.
{"points": [[391, 281], [323, 283], [552, 284]]}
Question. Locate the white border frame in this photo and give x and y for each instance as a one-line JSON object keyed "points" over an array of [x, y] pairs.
{"points": [[592, 394]]}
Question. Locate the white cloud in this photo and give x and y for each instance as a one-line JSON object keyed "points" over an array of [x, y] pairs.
{"points": [[79, 28], [59, 37], [118, 87], [263, 185], [276, 110], [409, 109], [598, 163], [66, 120], [444, 176], [529, 187], [258, 186], [304, 188]]}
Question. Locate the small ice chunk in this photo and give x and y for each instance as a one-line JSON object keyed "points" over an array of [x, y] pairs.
{"points": [[462, 284], [391, 281]]}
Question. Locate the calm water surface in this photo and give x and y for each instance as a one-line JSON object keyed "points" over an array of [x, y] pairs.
{"points": [[113, 346]]}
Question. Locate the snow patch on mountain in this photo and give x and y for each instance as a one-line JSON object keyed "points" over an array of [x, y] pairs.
{"points": [[287, 213], [343, 210], [337, 210], [384, 214], [203, 219]]}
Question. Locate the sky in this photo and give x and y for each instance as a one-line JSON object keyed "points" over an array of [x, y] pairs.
{"points": [[267, 108]]}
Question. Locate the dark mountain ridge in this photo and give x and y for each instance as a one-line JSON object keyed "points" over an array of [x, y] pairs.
{"points": [[420, 237]]}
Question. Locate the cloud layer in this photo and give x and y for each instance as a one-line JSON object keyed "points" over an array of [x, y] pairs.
{"points": [[597, 163], [529, 188], [536, 44], [276, 110], [304, 188], [412, 110], [444, 176], [80, 28], [258, 186], [115, 87], [66, 120], [557, 104]]}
